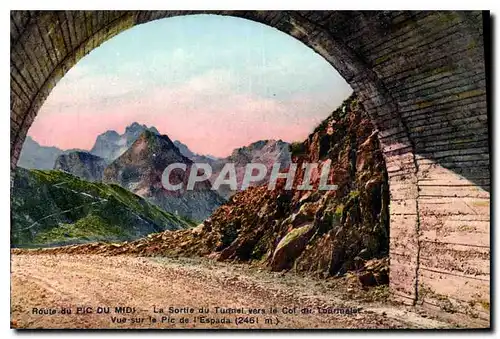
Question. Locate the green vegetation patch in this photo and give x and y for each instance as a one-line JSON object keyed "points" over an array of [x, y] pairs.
{"points": [[89, 228], [50, 207]]}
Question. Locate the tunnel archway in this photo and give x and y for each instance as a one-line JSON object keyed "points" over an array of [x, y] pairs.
{"points": [[420, 75]]}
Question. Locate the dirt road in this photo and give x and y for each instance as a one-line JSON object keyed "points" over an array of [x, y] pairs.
{"points": [[169, 290]]}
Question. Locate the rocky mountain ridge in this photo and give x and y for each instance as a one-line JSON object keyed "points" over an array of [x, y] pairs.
{"points": [[266, 152], [89, 166], [140, 170], [110, 145], [323, 233]]}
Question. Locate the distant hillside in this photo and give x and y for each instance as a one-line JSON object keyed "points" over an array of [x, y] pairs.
{"points": [[194, 157], [53, 208], [35, 156]]}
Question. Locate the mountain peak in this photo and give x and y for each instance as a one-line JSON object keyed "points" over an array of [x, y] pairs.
{"points": [[152, 136], [135, 127], [140, 169], [110, 145], [110, 134]]}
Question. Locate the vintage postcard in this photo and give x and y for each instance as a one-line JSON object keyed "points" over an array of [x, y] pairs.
{"points": [[250, 169]]}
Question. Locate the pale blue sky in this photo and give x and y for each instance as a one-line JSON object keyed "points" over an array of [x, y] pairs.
{"points": [[192, 76]]}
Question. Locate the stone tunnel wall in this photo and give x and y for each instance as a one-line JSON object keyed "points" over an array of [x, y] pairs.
{"points": [[420, 75]]}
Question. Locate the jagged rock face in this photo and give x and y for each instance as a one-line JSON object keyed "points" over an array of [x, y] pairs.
{"points": [[349, 225], [110, 145], [324, 232], [267, 152], [81, 164], [140, 170]]}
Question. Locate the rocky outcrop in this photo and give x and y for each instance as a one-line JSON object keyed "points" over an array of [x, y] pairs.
{"points": [[140, 170], [110, 145], [81, 164], [323, 232], [290, 247]]}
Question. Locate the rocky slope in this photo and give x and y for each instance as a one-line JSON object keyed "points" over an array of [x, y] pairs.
{"points": [[54, 208], [140, 170], [323, 233], [81, 164], [110, 145]]}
